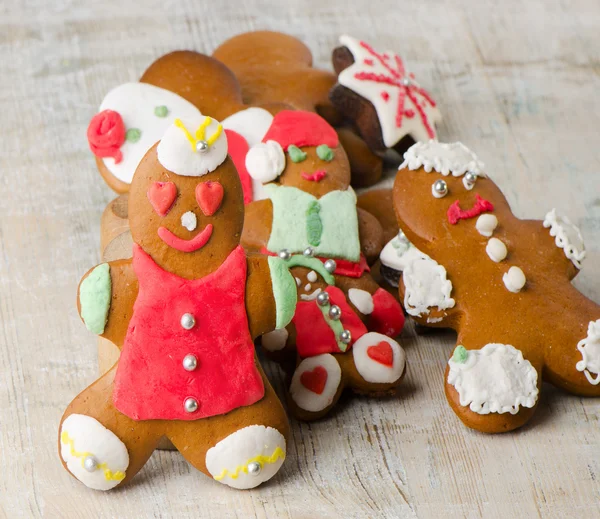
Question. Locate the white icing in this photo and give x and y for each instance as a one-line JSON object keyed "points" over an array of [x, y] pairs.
{"points": [[177, 154], [590, 351], [514, 280], [189, 220], [135, 103], [362, 300], [567, 236], [232, 454], [252, 124], [370, 369], [298, 282], [311, 276], [426, 286], [494, 379], [275, 340], [306, 399], [486, 224], [397, 254], [307, 287], [310, 297], [445, 158], [434, 319], [386, 108], [496, 250], [90, 436], [265, 161]]}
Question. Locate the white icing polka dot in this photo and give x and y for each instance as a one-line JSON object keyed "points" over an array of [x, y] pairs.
{"points": [[590, 351], [486, 224], [362, 300], [373, 370], [567, 236], [275, 340], [514, 280], [496, 250], [307, 287], [307, 399], [312, 276], [189, 220]]}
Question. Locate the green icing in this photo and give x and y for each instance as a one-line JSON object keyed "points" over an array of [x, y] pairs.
{"points": [[296, 154], [460, 354], [133, 134], [299, 260], [325, 153], [314, 226], [161, 111], [336, 326], [284, 291], [94, 298]]}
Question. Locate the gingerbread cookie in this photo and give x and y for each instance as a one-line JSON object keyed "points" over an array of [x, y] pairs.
{"points": [[502, 283], [384, 101], [310, 220], [184, 311]]}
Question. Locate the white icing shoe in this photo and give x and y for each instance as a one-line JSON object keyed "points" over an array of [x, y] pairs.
{"points": [[247, 457], [275, 340], [92, 453], [315, 382], [378, 358]]}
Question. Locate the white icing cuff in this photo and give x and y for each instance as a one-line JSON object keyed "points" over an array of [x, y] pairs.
{"points": [[567, 236], [426, 286], [590, 351], [378, 358], [362, 300], [275, 340], [92, 453], [247, 457], [452, 158], [494, 379], [315, 382]]}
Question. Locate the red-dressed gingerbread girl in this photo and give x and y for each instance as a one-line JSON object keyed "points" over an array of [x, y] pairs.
{"points": [[184, 312]]}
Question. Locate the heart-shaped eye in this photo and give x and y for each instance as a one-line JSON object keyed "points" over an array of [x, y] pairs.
{"points": [[161, 196], [209, 196]]}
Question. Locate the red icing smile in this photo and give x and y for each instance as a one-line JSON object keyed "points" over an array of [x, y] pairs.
{"points": [[317, 176], [455, 213], [197, 242]]}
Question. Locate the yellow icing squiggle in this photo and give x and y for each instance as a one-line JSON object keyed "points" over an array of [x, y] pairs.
{"points": [[262, 459], [109, 475], [200, 132]]}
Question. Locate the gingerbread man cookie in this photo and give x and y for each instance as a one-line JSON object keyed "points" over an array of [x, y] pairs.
{"points": [[184, 312], [502, 283]]}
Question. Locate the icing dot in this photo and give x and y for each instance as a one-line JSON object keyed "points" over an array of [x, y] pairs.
{"points": [[325, 153], [496, 250], [368, 61], [385, 96], [312, 276], [486, 224], [307, 287], [133, 135], [409, 113], [189, 220], [161, 111], [514, 280], [460, 354]]}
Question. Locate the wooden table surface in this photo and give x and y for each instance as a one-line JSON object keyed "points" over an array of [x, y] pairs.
{"points": [[517, 81]]}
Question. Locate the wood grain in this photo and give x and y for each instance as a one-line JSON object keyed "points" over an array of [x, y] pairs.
{"points": [[516, 81]]}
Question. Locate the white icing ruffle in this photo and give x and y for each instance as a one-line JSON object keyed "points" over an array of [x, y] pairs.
{"points": [[567, 236], [445, 158], [426, 286], [590, 351], [494, 379]]}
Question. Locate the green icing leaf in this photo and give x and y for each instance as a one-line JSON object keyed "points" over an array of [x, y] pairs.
{"points": [[460, 354], [325, 153], [314, 225], [161, 111], [133, 135], [296, 154], [94, 298]]}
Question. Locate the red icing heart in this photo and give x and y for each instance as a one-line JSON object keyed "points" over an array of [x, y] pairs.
{"points": [[382, 353], [209, 196], [314, 380], [161, 196]]}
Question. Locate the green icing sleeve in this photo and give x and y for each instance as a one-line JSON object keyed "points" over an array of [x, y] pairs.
{"points": [[284, 291], [94, 298]]}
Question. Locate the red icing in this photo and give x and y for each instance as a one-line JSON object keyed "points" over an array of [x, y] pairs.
{"points": [[161, 196], [313, 335], [106, 134], [237, 147], [409, 113], [387, 316], [314, 380], [385, 96], [368, 61], [317, 176], [209, 196], [150, 382], [455, 213], [301, 128], [196, 243], [382, 353]]}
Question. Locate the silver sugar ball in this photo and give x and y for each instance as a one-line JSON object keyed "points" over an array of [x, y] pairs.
{"points": [[284, 254], [188, 321], [330, 266], [190, 362], [323, 299], [254, 468], [90, 463], [406, 81], [440, 187], [309, 252], [202, 146], [190, 405], [335, 312], [470, 177], [346, 336]]}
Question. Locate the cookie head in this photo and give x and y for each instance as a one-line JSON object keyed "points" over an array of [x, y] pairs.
{"points": [[186, 203], [302, 150]]}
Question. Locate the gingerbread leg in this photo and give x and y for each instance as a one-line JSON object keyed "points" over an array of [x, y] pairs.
{"points": [[98, 445], [241, 449]]}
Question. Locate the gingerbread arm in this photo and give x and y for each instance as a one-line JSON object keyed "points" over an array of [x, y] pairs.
{"points": [[370, 234], [105, 299], [258, 221]]}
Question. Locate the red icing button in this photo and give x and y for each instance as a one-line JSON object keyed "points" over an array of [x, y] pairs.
{"points": [[161, 196], [314, 380], [382, 353], [209, 196]]}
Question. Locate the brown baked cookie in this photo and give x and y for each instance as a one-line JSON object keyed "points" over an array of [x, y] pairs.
{"points": [[342, 334], [276, 67], [184, 312], [502, 283], [384, 101]]}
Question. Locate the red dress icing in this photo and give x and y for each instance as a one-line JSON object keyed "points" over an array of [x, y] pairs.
{"points": [[151, 382], [313, 334]]}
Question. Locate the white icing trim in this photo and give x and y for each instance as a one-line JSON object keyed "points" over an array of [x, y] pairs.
{"points": [[426, 286], [494, 379], [371, 370], [228, 460], [265, 161], [567, 236], [445, 158], [486, 224], [590, 351], [252, 124], [514, 280], [397, 254], [362, 300], [306, 399], [496, 250], [275, 340]]}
